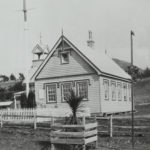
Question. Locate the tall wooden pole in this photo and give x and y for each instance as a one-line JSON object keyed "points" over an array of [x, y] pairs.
{"points": [[132, 106], [25, 46]]}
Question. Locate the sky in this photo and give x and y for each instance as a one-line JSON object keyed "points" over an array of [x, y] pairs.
{"points": [[109, 20]]}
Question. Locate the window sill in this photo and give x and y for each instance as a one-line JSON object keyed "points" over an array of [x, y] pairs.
{"points": [[85, 100], [64, 63], [113, 99], [106, 99], [51, 102]]}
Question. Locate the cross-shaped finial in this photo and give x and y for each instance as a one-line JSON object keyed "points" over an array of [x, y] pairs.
{"points": [[62, 32], [40, 38]]}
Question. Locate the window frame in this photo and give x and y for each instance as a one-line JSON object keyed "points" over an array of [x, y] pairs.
{"points": [[107, 81], [119, 89], [62, 88], [61, 57], [77, 91], [129, 91], [124, 91], [113, 83], [47, 95]]}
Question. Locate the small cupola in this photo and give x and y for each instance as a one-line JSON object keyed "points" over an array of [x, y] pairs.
{"points": [[90, 41], [39, 52]]}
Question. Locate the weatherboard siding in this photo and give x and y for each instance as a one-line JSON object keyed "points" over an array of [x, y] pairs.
{"points": [[114, 105], [54, 68], [93, 92]]}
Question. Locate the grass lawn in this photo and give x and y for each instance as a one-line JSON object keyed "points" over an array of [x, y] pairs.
{"points": [[142, 110], [124, 143], [142, 91], [29, 139]]}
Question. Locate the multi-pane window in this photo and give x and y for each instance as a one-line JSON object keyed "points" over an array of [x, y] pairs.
{"points": [[82, 89], [66, 88], [119, 91], [113, 89], [125, 91], [51, 93], [106, 89], [129, 88]]}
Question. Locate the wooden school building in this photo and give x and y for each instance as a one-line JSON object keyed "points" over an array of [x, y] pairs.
{"points": [[106, 87]]}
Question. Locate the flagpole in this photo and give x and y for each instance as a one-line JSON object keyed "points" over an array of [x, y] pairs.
{"points": [[132, 107], [26, 56], [26, 45]]}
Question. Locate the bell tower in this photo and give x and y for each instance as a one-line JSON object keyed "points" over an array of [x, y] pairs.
{"points": [[39, 52]]}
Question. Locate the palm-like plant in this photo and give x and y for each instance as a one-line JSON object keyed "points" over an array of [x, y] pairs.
{"points": [[74, 101]]}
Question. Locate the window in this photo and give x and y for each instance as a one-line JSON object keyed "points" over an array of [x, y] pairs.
{"points": [[51, 93], [125, 91], [82, 89], [65, 58], [106, 89], [129, 88], [113, 89], [119, 91], [66, 88]]}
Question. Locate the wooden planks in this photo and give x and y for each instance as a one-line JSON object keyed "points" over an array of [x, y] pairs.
{"points": [[91, 139], [67, 141], [67, 134], [74, 134], [86, 127], [90, 125], [90, 133], [60, 126]]}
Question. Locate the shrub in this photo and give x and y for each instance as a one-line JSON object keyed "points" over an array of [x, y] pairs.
{"points": [[23, 101], [74, 101], [17, 87], [31, 100], [28, 102]]}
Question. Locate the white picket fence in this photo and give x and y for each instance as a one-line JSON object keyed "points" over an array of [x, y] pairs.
{"points": [[17, 116], [35, 116]]}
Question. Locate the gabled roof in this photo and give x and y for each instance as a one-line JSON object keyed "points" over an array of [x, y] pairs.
{"points": [[40, 48], [97, 60]]}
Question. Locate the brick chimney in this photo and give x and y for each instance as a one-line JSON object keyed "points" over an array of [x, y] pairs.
{"points": [[90, 41]]}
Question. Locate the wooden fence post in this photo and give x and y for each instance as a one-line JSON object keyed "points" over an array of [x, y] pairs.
{"points": [[52, 123], [111, 127], [96, 143], [84, 147], [35, 119], [83, 121], [1, 119]]}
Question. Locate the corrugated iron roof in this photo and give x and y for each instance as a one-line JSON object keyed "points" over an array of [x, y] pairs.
{"points": [[8, 103], [104, 63]]}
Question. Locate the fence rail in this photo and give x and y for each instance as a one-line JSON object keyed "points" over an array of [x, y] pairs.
{"points": [[74, 134], [17, 116], [117, 126], [111, 126]]}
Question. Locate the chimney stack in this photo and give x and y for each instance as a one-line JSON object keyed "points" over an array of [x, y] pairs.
{"points": [[90, 42]]}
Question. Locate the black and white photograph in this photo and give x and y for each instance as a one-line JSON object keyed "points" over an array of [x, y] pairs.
{"points": [[74, 75]]}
